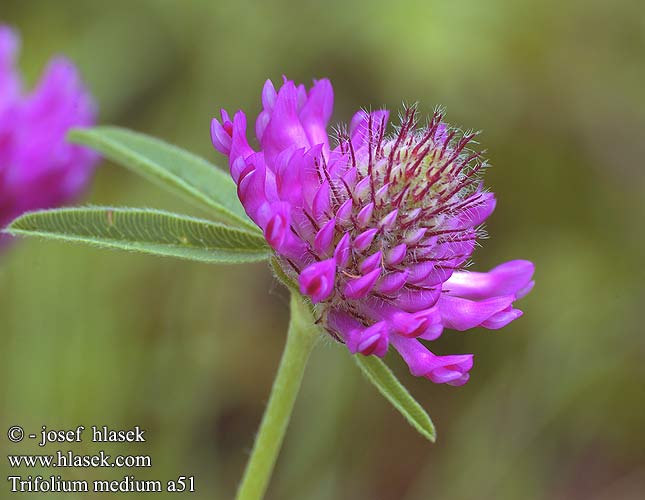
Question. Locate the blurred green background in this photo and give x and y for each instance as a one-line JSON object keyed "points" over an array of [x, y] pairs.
{"points": [[556, 405]]}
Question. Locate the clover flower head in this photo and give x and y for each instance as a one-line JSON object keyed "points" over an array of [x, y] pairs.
{"points": [[38, 168], [376, 228]]}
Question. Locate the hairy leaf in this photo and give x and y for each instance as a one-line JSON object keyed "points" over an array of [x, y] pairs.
{"points": [[145, 230], [389, 386]]}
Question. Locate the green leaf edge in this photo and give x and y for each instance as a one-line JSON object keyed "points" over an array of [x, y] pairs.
{"points": [[375, 370], [94, 139], [246, 255]]}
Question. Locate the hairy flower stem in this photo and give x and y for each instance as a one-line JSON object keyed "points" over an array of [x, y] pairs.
{"points": [[301, 338]]}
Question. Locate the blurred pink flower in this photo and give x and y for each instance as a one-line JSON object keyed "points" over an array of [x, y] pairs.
{"points": [[377, 230], [38, 168]]}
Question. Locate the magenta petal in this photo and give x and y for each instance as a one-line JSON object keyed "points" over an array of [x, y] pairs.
{"points": [[373, 340], [396, 255], [317, 280], [287, 165], [460, 381], [425, 323], [423, 363], [343, 251], [261, 124], [307, 174], [482, 205], [364, 215], [302, 95], [276, 230], [414, 300], [239, 144], [239, 166], [316, 113], [437, 276], [371, 262], [349, 177], [441, 135], [364, 240], [411, 215], [381, 194], [463, 314], [433, 332], [370, 341], [391, 282], [343, 324], [221, 137], [388, 221], [344, 212], [275, 219], [523, 292], [251, 188], [284, 129], [513, 277], [450, 374], [269, 96], [321, 202], [324, 237], [360, 125], [419, 272], [362, 187], [501, 319], [9, 44], [359, 287], [415, 235]]}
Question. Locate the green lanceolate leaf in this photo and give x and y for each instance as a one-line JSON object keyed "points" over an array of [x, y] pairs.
{"points": [[382, 377], [147, 231], [171, 167]]}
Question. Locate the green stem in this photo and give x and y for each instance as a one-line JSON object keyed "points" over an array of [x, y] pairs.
{"points": [[301, 338]]}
